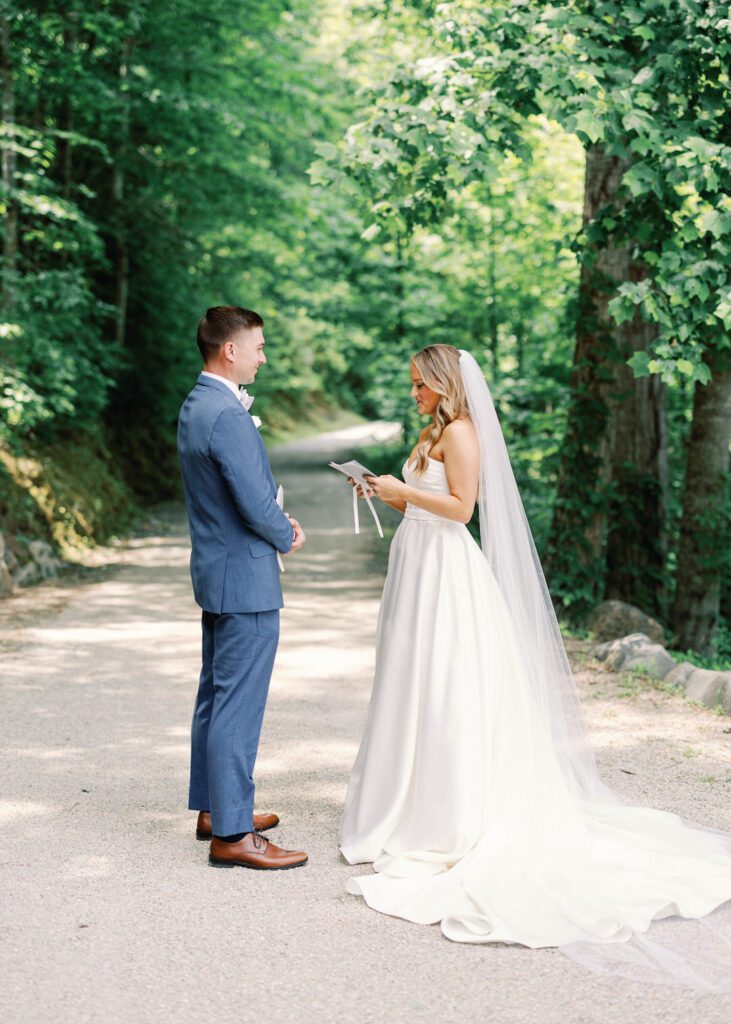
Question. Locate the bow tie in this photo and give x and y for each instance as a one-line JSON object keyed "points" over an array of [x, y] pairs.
{"points": [[245, 398]]}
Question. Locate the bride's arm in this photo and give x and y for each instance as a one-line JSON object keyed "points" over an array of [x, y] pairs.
{"points": [[461, 462], [398, 503]]}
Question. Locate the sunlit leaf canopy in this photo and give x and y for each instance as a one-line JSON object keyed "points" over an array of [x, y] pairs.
{"points": [[614, 74]]}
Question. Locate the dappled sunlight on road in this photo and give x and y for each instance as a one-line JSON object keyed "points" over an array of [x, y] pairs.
{"points": [[14, 810]]}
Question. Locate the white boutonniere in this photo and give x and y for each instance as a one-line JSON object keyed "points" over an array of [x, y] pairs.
{"points": [[256, 421]]}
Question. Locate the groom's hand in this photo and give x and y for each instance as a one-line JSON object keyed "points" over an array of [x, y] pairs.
{"points": [[299, 535]]}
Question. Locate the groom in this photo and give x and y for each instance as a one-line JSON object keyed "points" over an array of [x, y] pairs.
{"points": [[236, 529]]}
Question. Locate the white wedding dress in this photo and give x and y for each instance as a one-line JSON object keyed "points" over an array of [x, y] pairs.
{"points": [[457, 796]]}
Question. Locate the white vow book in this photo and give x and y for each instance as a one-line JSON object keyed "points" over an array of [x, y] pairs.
{"points": [[280, 502], [358, 472]]}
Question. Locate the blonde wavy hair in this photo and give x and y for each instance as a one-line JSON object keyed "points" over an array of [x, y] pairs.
{"points": [[438, 367]]}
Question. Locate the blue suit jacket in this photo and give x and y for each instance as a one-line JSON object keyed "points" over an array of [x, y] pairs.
{"points": [[235, 522]]}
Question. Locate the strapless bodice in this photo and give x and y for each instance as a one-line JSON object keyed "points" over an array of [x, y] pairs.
{"points": [[434, 479]]}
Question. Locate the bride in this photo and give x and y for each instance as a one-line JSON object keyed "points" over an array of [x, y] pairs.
{"points": [[475, 794]]}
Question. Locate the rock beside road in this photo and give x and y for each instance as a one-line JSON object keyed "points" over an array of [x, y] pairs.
{"points": [[612, 619], [639, 651], [42, 564]]}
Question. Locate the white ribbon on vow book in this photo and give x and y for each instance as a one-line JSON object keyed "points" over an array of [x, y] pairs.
{"points": [[358, 472]]}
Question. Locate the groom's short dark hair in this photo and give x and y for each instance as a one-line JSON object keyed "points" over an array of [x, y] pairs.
{"points": [[219, 323]]}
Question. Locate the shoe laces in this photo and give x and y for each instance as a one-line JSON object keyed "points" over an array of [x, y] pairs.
{"points": [[260, 843]]}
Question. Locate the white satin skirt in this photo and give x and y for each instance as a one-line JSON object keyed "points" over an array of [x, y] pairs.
{"points": [[457, 798]]}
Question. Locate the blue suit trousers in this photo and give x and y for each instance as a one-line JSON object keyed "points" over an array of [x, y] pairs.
{"points": [[238, 658]]}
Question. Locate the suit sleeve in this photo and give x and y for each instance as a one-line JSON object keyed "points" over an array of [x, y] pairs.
{"points": [[237, 450]]}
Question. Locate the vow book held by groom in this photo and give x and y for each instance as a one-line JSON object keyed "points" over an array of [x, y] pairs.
{"points": [[236, 530]]}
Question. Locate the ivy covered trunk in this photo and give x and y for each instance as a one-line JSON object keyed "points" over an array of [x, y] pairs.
{"points": [[637, 444], [705, 524], [607, 537]]}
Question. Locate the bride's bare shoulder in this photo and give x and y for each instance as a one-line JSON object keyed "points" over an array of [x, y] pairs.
{"points": [[458, 436], [460, 431]]}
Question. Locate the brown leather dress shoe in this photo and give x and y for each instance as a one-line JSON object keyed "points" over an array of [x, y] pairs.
{"points": [[262, 822], [253, 851]]}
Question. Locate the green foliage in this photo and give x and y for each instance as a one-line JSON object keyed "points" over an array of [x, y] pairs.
{"points": [[496, 277], [55, 365], [161, 152], [649, 81], [58, 366]]}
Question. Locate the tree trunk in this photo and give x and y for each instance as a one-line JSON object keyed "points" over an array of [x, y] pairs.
{"points": [[607, 535], [10, 225], [637, 444], [705, 527], [121, 252], [65, 155]]}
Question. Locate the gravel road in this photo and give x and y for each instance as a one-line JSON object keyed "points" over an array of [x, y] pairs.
{"points": [[110, 912]]}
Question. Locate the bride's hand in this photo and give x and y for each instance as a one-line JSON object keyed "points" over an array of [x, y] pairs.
{"points": [[354, 483], [387, 488]]}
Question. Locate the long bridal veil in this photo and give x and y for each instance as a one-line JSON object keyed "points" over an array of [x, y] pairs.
{"points": [[695, 953]]}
